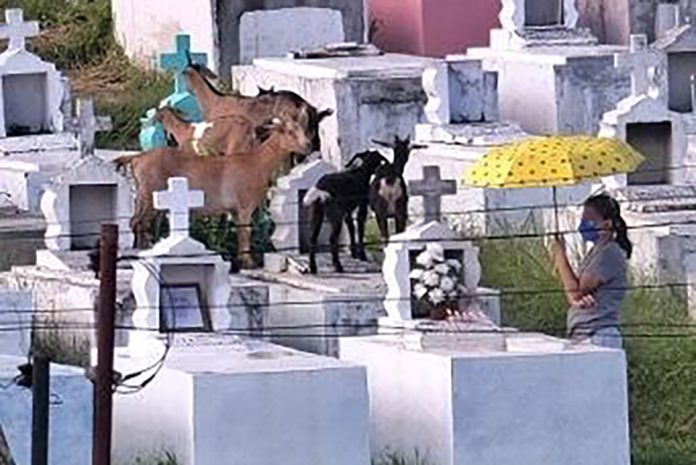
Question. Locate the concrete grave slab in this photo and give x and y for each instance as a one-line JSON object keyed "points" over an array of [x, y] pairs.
{"points": [[231, 393], [455, 405], [70, 427], [16, 309]]}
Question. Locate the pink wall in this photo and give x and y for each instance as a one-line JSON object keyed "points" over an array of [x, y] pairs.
{"points": [[433, 27], [399, 25]]}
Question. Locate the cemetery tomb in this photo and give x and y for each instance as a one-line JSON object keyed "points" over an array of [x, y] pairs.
{"points": [[232, 400], [90, 205], [25, 108], [183, 307], [543, 13], [681, 69], [373, 97], [654, 142], [462, 402]]}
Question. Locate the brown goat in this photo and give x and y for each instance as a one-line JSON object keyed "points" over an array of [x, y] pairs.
{"points": [[282, 104], [232, 185], [229, 135]]}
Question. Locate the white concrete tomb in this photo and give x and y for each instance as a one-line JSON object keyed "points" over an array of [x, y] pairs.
{"points": [[538, 402]]}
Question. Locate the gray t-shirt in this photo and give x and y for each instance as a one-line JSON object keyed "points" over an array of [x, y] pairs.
{"points": [[607, 262]]}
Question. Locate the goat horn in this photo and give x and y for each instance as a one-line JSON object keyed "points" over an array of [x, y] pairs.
{"points": [[189, 58], [383, 144]]}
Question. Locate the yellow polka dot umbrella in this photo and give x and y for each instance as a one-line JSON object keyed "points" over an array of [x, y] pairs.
{"points": [[553, 162]]}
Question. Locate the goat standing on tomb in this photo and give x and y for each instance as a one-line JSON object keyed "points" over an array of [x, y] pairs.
{"points": [[337, 196], [236, 185], [388, 189], [223, 136], [269, 104]]}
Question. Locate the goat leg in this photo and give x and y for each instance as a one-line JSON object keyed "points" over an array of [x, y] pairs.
{"points": [[362, 218], [317, 219], [335, 234], [401, 216], [382, 224], [244, 231], [351, 235]]}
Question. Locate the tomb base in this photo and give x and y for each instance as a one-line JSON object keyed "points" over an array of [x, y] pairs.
{"points": [[21, 235], [227, 400], [543, 402], [70, 426]]}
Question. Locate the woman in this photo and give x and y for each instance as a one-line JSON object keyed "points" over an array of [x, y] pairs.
{"points": [[595, 294]]}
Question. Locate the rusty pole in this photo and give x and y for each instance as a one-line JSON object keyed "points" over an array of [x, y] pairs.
{"points": [[106, 313]]}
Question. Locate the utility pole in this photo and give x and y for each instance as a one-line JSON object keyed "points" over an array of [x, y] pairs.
{"points": [[106, 314], [40, 387]]}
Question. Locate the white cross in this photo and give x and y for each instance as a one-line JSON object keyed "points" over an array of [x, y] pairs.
{"points": [[17, 30], [178, 200], [642, 62], [87, 125], [432, 188]]}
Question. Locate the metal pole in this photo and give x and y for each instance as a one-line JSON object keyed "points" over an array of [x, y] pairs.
{"points": [[40, 387], [103, 386]]}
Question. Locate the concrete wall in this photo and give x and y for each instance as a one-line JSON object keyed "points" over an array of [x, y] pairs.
{"points": [[146, 28], [432, 27], [612, 21], [229, 12]]}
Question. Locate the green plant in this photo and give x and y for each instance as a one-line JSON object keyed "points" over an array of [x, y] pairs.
{"points": [[219, 233], [60, 345], [168, 458]]}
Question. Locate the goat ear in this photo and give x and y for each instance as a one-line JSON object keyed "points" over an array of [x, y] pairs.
{"points": [[355, 162], [382, 144], [417, 146], [324, 114]]}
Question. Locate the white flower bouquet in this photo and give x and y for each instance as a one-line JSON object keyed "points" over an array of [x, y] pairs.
{"points": [[437, 281]]}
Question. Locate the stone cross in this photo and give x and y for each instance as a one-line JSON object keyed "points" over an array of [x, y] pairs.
{"points": [[178, 200], [642, 62], [16, 30], [178, 61], [432, 188], [87, 125]]}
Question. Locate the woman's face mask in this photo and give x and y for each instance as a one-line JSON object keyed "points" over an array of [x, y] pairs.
{"points": [[589, 231]]}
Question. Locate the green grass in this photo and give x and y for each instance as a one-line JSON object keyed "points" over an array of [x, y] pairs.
{"points": [[661, 367]]}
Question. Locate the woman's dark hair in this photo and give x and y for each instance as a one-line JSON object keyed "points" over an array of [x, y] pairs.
{"points": [[610, 209]]}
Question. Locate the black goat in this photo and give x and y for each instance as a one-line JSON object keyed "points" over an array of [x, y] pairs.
{"points": [[389, 191], [337, 196]]}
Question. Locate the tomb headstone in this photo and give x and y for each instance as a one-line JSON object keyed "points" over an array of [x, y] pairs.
{"points": [[79, 199], [645, 121], [178, 277], [292, 231], [264, 33], [182, 99], [32, 90], [677, 48]]}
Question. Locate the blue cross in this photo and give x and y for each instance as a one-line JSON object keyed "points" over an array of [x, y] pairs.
{"points": [[177, 62]]}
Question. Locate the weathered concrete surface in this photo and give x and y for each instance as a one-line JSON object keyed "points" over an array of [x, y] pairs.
{"points": [[613, 21], [147, 27]]}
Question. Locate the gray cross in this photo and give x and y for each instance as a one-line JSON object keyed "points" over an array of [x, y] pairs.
{"points": [[16, 30], [432, 188], [86, 125], [643, 63]]}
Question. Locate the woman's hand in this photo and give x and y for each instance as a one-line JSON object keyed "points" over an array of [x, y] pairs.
{"points": [[584, 302]]}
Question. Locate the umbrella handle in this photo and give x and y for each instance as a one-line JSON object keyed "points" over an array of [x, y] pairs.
{"points": [[555, 210]]}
